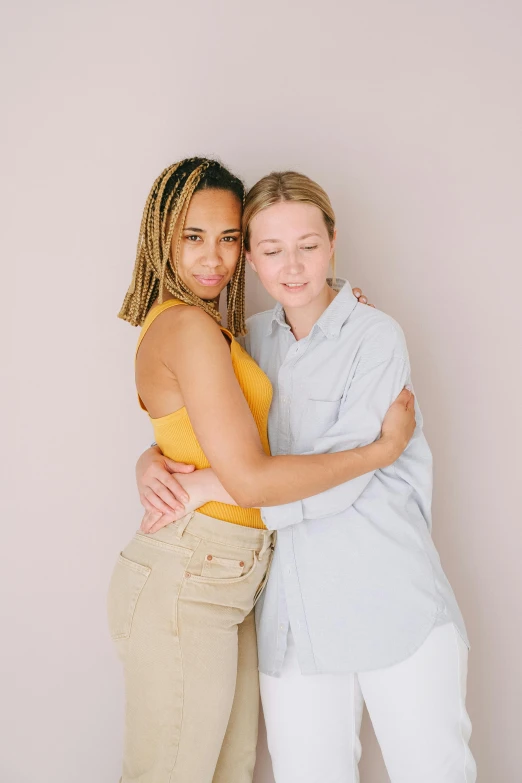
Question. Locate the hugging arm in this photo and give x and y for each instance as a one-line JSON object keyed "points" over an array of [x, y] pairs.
{"points": [[360, 410], [160, 492], [228, 435]]}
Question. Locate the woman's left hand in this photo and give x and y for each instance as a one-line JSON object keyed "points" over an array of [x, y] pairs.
{"points": [[361, 297]]}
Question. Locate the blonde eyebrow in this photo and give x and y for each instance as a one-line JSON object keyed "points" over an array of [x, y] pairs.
{"points": [[300, 239]]}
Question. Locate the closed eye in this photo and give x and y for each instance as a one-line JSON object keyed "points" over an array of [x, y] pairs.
{"points": [[310, 247], [272, 253]]}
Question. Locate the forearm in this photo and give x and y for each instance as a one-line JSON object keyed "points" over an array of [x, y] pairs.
{"points": [[146, 457], [283, 479], [212, 488]]}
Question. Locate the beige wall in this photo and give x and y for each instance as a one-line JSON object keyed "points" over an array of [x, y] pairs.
{"points": [[409, 113]]}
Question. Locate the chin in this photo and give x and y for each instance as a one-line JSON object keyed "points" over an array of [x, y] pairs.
{"points": [[301, 299]]}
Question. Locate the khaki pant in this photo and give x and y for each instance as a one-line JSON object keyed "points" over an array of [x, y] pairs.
{"points": [[181, 615]]}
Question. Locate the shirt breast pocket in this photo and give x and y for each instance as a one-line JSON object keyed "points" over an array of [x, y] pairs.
{"points": [[318, 417]]}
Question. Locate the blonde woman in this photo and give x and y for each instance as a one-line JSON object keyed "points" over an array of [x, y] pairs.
{"points": [[181, 598], [357, 607]]}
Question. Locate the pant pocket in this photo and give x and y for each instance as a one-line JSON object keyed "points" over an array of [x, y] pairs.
{"points": [[222, 567], [127, 582], [219, 563]]}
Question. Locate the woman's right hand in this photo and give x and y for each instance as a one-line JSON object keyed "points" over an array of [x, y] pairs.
{"points": [[198, 484], [399, 425], [159, 490]]}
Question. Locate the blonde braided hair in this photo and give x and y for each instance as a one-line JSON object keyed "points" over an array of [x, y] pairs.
{"points": [[154, 270]]}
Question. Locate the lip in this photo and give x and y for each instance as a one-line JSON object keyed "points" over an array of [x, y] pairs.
{"points": [[209, 280], [294, 286]]}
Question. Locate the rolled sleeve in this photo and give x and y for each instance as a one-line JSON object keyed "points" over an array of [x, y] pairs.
{"points": [[277, 517]]}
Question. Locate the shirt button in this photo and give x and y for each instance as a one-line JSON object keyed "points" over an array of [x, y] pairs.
{"points": [[282, 627]]}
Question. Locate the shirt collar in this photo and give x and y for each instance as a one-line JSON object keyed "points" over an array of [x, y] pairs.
{"points": [[333, 318]]}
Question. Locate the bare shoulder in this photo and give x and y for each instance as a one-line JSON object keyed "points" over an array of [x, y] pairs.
{"points": [[182, 323], [190, 317], [188, 340]]}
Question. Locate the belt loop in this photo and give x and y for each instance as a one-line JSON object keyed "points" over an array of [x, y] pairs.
{"points": [[182, 524], [267, 542]]}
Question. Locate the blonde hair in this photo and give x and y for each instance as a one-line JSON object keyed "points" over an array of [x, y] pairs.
{"points": [[287, 186], [154, 270]]}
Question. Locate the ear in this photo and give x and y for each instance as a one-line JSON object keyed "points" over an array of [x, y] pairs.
{"points": [[248, 257]]}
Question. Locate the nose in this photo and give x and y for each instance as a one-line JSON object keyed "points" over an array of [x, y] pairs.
{"points": [[293, 263], [212, 258]]}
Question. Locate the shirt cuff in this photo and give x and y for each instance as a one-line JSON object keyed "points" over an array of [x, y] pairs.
{"points": [[277, 517]]}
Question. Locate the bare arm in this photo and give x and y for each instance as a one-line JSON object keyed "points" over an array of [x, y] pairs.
{"points": [[226, 430], [159, 491], [202, 486]]}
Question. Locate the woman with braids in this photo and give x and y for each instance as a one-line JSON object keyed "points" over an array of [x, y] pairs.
{"points": [[182, 595], [357, 607]]}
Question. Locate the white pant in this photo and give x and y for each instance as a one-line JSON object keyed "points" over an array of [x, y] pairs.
{"points": [[417, 708]]}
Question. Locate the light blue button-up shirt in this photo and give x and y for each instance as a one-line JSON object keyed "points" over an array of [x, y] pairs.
{"points": [[355, 574]]}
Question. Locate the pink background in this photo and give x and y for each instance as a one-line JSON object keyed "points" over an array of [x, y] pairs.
{"points": [[409, 114]]}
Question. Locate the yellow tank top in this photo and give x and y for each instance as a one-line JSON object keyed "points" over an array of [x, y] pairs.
{"points": [[177, 440]]}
